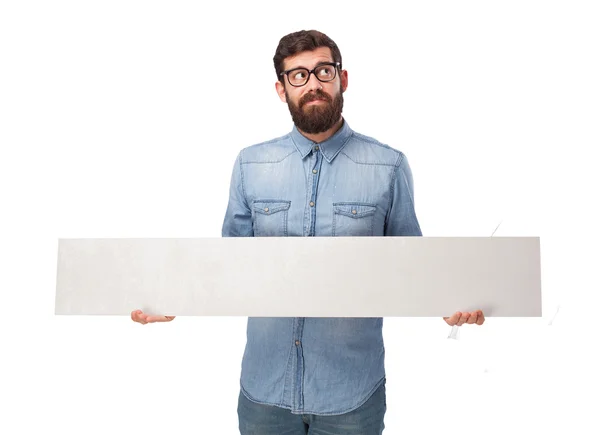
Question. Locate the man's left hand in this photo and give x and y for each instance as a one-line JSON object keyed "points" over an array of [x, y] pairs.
{"points": [[460, 318]]}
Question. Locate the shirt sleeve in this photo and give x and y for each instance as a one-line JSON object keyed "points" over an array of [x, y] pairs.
{"points": [[401, 219], [238, 217]]}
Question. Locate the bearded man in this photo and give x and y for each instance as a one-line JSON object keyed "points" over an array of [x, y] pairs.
{"points": [[316, 375]]}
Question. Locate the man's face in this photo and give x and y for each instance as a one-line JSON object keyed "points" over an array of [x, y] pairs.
{"points": [[316, 106]]}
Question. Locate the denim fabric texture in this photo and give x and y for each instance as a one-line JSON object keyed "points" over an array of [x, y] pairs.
{"points": [[348, 185]]}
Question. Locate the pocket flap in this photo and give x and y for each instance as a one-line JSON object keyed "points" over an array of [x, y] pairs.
{"points": [[354, 209], [268, 206]]}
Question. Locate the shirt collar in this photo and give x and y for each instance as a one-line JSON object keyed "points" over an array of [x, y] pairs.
{"points": [[330, 148]]}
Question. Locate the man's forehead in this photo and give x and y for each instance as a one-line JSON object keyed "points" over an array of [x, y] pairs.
{"points": [[308, 59]]}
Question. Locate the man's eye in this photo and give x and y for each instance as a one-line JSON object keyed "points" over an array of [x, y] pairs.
{"points": [[299, 75], [325, 71]]}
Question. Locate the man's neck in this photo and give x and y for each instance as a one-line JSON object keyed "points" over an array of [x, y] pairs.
{"points": [[322, 137]]}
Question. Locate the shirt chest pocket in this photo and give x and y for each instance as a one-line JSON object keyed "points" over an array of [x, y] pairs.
{"points": [[352, 219], [270, 218]]}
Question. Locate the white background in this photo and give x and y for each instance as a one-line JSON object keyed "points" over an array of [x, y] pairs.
{"points": [[123, 119]]}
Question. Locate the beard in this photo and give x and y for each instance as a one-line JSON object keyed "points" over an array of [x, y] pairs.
{"points": [[317, 118]]}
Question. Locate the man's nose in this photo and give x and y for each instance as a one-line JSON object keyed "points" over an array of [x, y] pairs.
{"points": [[313, 82]]}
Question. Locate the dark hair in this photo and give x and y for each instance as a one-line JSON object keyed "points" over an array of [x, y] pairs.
{"points": [[304, 40]]}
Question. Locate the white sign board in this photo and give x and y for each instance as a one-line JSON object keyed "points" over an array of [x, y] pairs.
{"points": [[300, 277]]}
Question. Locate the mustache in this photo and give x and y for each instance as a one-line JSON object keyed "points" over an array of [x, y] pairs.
{"points": [[314, 96]]}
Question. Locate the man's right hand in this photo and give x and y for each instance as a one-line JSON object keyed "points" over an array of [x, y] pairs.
{"points": [[143, 318]]}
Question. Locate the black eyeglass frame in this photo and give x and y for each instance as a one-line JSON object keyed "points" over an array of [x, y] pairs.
{"points": [[312, 71]]}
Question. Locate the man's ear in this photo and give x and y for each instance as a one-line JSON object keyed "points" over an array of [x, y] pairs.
{"points": [[344, 78], [280, 88]]}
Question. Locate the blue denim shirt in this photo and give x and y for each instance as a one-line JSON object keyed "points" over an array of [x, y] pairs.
{"points": [[348, 185]]}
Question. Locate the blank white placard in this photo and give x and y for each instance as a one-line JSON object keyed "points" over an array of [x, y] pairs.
{"points": [[300, 277]]}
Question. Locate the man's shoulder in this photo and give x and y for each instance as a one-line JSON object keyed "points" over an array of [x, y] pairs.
{"points": [[368, 150], [272, 150]]}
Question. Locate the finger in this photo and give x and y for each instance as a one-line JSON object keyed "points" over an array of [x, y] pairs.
{"points": [[138, 316], [453, 319], [472, 318], [463, 318], [457, 317], [153, 319], [480, 318], [448, 320], [135, 315]]}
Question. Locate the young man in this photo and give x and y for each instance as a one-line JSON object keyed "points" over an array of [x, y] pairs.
{"points": [[316, 375]]}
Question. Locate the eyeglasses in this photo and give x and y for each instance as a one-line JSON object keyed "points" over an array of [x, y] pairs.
{"points": [[324, 72]]}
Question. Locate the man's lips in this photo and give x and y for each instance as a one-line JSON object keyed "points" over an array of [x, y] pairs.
{"points": [[317, 101]]}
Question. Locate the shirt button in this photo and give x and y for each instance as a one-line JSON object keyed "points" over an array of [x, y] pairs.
{"points": [[312, 204], [266, 209], [314, 171], [317, 148], [353, 211], [297, 343]]}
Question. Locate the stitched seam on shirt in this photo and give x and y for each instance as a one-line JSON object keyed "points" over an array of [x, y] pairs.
{"points": [[281, 405], [373, 141], [242, 178], [271, 161], [252, 399], [392, 181], [410, 195], [286, 366], [365, 163], [352, 408]]}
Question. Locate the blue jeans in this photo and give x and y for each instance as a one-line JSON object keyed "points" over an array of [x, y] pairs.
{"points": [[257, 419]]}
